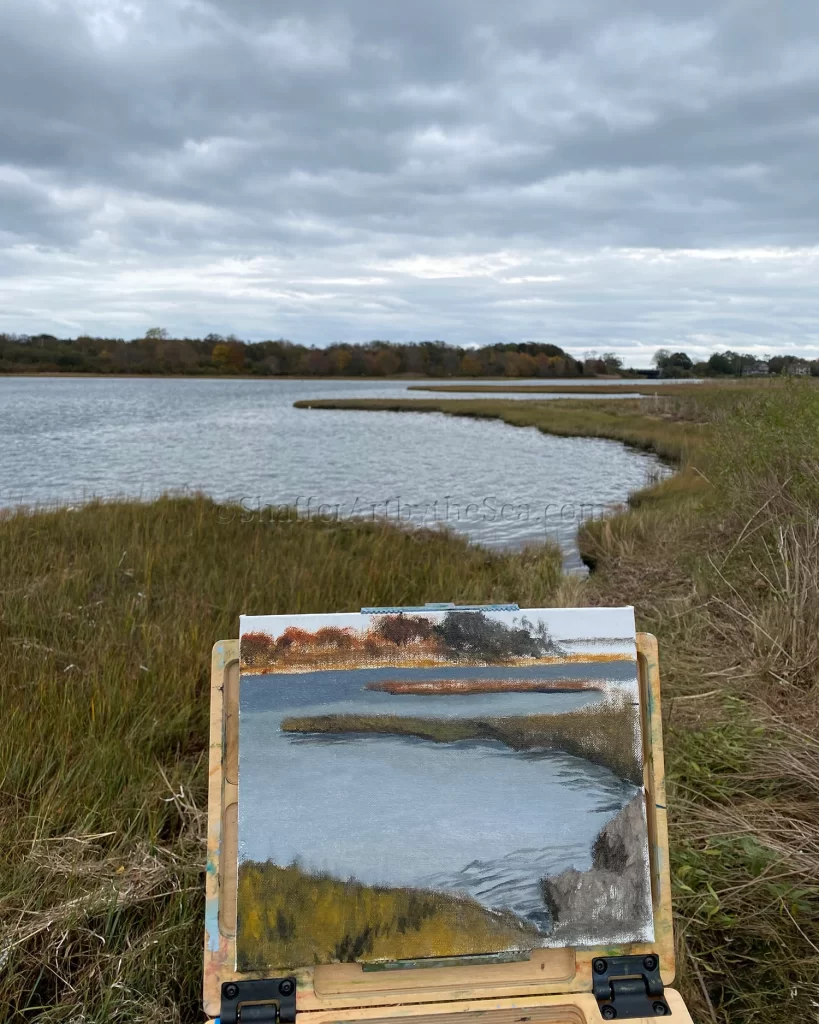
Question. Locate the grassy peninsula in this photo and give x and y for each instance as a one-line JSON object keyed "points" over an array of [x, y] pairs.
{"points": [[622, 420], [602, 734], [638, 387]]}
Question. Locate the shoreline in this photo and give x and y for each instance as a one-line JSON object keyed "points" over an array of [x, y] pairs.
{"points": [[398, 378], [354, 663]]}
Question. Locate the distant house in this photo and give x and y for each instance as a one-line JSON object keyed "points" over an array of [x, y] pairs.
{"points": [[758, 368], [797, 369]]}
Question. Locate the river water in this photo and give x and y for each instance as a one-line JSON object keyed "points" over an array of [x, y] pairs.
{"points": [[492, 820], [71, 439]]}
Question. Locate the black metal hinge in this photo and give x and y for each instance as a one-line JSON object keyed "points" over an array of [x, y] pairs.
{"points": [[268, 1001], [629, 986]]}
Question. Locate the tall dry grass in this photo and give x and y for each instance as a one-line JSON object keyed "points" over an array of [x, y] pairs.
{"points": [[727, 575], [107, 616], [292, 918]]}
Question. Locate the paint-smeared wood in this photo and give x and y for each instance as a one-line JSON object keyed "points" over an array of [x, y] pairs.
{"points": [[554, 985]]}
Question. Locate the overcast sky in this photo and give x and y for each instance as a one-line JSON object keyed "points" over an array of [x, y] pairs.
{"points": [[601, 174]]}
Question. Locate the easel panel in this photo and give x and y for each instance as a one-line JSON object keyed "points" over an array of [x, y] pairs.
{"points": [[336, 987]]}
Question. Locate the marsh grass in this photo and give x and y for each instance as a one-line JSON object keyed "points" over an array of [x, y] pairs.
{"points": [[107, 617], [689, 389], [637, 388], [724, 568]]}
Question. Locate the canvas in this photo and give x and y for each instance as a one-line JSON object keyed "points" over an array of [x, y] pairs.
{"points": [[437, 784]]}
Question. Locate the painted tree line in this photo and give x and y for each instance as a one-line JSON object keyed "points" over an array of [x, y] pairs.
{"points": [[468, 636]]}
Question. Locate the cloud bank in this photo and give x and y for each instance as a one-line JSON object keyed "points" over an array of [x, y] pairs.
{"points": [[601, 175]]}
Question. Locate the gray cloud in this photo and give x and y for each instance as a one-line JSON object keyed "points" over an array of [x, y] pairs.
{"points": [[605, 175]]}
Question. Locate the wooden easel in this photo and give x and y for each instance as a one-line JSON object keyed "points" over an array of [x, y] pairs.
{"points": [[554, 985]]}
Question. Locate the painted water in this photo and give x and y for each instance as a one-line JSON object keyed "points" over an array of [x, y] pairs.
{"points": [[492, 820], [71, 439]]}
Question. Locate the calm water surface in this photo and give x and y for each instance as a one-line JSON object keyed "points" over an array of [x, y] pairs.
{"points": [[71, 439]]}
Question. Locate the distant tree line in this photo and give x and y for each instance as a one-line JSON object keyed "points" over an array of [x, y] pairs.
{"points": [[732, 364], [158, 353]]}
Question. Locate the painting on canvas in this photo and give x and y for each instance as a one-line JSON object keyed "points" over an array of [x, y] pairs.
{"points": [[439, 783]]}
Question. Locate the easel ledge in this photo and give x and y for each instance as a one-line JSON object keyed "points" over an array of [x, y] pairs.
{"points": [[554, 985]]}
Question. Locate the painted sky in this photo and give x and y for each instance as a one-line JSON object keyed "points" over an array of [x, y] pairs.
{"points": [[562, 623], [605, 174]]}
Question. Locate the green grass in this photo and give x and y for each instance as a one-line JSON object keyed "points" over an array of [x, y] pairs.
{"points": [[107, 617], [604, 734]]}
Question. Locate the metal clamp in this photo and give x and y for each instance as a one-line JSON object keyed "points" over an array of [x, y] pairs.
{"points": [[268, 1001], [626, 987]]}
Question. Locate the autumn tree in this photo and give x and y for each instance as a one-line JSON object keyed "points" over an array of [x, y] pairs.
{"points": [[387, 362], [221, 355], [257, 650], [403, 629]]}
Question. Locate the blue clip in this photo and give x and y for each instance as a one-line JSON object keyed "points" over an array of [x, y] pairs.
{"points": [[442, 606]]}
